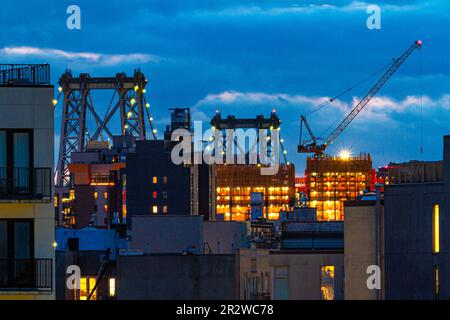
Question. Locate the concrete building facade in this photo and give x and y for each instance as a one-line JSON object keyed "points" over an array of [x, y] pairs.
{"points": [[176, 276], [417, 242], [291, 275], [27, 218], [360, 249]]}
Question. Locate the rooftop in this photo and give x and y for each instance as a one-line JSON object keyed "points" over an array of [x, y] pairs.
{"points": [[24, 74]]}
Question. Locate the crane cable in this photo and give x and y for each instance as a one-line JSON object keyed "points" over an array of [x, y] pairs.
{"points": [[421, 105], [330, 100]]}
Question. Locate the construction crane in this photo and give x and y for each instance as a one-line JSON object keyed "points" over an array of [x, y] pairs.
{"points": [[313, 145]]}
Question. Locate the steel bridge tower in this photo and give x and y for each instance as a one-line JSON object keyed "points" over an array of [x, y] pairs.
{"points": [[82, 123]]}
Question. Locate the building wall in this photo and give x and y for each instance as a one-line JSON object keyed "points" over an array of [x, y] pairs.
{"points": [[90, 263], [225, 237], [167, 234], [185, 277], [153, 160], [303, 275], [359, 249], [409, 253], [31, 108]]}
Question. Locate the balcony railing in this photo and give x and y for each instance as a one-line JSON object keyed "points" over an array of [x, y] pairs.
{"points": [[25, 183], [26, 274], [24, 74], [104, 179]]}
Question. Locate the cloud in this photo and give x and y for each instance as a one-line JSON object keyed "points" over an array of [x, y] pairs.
{"points": [[379, 108], [89, 57], [254, 98], [272, 9]]}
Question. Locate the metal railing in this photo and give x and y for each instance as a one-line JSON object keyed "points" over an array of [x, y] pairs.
{"points": [[26, 274], [25, 183], [108, 178], [24, 74], [260, 296]]}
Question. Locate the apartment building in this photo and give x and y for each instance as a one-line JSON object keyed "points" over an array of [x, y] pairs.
{"points": [[27, 219], [417, 244]]}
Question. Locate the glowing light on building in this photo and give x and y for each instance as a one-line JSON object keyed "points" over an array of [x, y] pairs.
{"points": [[345, 154]]}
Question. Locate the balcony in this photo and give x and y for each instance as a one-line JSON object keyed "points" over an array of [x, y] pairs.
{"points": [[24, 74], [103, 179], [26, 274], [25, 184]]}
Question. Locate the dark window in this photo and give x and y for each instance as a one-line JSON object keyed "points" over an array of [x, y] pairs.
{"points": [[15, 160], [73, 243], [16, 252]]}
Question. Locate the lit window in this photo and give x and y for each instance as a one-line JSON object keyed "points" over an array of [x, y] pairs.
{"points": [[95, 195], [327, 282], [112, 287], [91, 287], [155, 209], [86, 286], [165, 209], [436, 282], [83, 289], [436, 237], [165, 179], [155, 180], [105, 195], [105, 208], [155, 194]]}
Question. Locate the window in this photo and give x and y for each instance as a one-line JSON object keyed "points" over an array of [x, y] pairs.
{"points": [[16, 239], [95, 195], [155, 209], [155, 180], [86, 286], [16, 250], [436, 236], [15, 160], [105, 208], [105, 195], [112, 287], [155, 194], [327, 282], [436, 282], [164, 194], [280, 283], [164, 180], [165, 209]]}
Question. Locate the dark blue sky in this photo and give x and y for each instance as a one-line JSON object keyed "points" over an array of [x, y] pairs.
{"points": [[247, 57]]}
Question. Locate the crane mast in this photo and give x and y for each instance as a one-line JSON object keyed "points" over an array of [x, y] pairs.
{"points": [[318, 149]]}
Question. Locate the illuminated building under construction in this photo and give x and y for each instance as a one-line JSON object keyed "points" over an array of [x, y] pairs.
{"points": [[237, 183], [242, 192], [333, 180]]}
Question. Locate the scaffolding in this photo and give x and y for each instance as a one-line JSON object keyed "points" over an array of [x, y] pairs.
{"points": [[333, 180], [236, 183]]}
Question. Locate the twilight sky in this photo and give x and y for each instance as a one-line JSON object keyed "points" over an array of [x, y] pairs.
{"points": [[246, 57]]}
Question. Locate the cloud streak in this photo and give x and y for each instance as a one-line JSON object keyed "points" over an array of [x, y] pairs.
{"points": [[295, 8], [86, 57], [378, 108]]}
